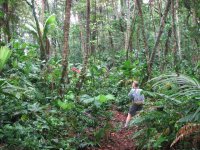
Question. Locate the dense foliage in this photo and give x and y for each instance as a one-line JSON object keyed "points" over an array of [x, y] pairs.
{"points": [[60, 78]]}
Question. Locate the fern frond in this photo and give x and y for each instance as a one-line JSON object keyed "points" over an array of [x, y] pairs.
{"points": [[185, 131], [187, 86]]}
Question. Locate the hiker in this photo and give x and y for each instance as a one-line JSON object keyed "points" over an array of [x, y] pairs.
{"points": [[137, 99]]}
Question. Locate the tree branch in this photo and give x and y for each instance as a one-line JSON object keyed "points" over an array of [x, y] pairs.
{"points": [[28, 3]]}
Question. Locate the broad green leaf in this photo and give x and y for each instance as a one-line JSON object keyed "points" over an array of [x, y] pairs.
{"points": [[49, 25], [4, 56], [102, 98], [65, 105]]}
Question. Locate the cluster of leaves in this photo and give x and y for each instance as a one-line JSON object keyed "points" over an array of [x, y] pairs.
{"points": [[33, 116]]}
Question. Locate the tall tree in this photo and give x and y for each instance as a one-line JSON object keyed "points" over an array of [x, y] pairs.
{"points": [[175, 48], [87, 47], [94, 31], [143, 32], [178, 28], [6, 20], [81, 29], [161, 29], [65, 52], [151, 5], [87, 33], [129, 30], [166, 50]]}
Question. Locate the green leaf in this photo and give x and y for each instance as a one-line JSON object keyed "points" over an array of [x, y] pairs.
{"points": [[186, 118], [159, 141], [102, 98], [86, 99], [4, 56], [49, 25], [32, 30], [138, 133], [137, 120], [126, 65], [34, 107], [110, 97], [65, 105]]}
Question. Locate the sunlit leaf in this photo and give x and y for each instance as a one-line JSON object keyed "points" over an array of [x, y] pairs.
{"points": [[65, 105], [4, 56]]}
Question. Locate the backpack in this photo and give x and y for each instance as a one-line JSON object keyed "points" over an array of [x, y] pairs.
{"points": [[136, 97]]}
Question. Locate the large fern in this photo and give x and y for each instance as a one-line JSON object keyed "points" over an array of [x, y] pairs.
{"points": [[187, 91], [187, 86]]}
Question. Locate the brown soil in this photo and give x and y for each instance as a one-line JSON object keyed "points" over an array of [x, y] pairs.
{"points": [[118, 139]]}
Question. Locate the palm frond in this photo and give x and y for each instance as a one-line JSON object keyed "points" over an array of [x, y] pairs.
{"points": [[49, 25], [31, 29], [186, 85]]}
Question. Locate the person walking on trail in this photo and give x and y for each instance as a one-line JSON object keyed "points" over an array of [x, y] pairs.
{"points": [[137, 99]]}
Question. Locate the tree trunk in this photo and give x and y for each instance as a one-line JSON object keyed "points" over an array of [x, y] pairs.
{"points": [[129, 30], [162, 25], [87, 48], [131, 41], [137, 42], [175, 48], [111, 40], [143, 34], [160, 8], [87, 33], [128, 24], [167, 46], [83, 47], [6, 21], [178, 29], [42, 49], [65, 53], [93, 35], [152, 16]]}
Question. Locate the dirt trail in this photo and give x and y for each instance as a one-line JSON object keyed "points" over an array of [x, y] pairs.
{"points": [[120, 139]]}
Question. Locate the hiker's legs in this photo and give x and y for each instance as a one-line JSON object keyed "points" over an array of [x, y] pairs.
{"points": [[128, 119], [132, 111]]}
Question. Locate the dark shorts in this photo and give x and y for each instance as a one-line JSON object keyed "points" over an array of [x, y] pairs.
{"points": [[134, 108]]}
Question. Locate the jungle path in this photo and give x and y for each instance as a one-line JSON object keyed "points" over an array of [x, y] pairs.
{"points": [[119, 139]]}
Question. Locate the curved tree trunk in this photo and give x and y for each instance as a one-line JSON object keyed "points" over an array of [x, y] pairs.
{"points": [[162, 25]]}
